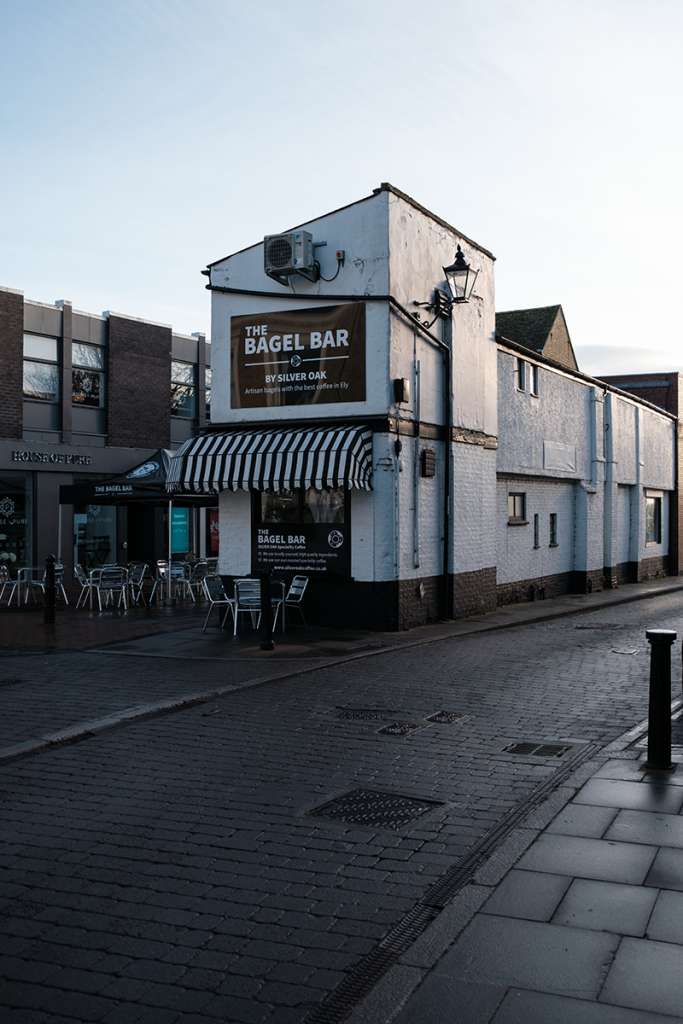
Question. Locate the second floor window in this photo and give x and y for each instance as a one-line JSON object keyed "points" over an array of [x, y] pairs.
{"points": [[87, 387], [183, 389], [41, 368]]}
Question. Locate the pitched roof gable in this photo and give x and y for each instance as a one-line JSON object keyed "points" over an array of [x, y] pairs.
{"points": [[542, 330]]}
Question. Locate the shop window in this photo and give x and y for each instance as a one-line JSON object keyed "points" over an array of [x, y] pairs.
{"points": [[207, 385], [183, 382], [553, 529], [16, 520], [41, 368], [653, 520], [517, 509], [312, 505], [180, 531], [87, 387], [521, 375], [213, 531]]}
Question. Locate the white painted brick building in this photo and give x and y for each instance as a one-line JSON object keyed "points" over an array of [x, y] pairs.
{"points": [[488, 469]]}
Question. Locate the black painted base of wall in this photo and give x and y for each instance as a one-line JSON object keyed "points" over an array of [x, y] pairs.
{"points": [[539, 589], [380, 607], [651, 567], [617, 575], [472, 593], [407, 604]]}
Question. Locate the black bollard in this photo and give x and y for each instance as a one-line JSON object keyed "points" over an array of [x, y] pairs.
{"points": [[50, 599], [267, 643], [659, 716]]}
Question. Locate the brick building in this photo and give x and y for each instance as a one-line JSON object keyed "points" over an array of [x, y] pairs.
{"points": [[82, 398]]}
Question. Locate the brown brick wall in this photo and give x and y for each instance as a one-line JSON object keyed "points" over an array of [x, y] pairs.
{"points": [[11, 364], [139, 380]]}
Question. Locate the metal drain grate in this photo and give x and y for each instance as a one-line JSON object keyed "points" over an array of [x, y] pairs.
{"points": [[373, 809], [362, 714], [399, 728], [537, 749], [446, 717]]}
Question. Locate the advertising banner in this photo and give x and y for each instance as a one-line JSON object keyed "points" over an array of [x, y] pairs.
{"points": [[302, 548], [298, 357]]}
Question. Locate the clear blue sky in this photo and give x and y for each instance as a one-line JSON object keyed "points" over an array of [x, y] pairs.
{"points": [[142, 140]]}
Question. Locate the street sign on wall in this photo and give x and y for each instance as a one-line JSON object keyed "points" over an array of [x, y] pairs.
{"points": [[298, 357]]}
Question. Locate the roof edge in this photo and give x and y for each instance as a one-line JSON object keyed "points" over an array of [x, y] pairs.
{"points": [[384, 187], [507, 343]]}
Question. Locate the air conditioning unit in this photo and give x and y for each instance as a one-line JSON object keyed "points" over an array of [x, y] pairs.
{"points": [[291, 253]]}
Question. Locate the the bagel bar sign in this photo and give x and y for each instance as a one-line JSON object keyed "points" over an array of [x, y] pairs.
{"points": [[302, 548], [298, 357]]}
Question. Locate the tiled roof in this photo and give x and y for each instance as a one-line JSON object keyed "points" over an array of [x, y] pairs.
{"points": [[528, 327]]}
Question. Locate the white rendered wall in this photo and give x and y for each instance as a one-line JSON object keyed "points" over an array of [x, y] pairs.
{"points": [[518, 559], [234, 513]]}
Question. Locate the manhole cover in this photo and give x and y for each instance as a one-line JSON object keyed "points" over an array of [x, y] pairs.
{"points": [[600, 625], [446, 717], [537, 749], [364, 714], [399, 728], [368, 807]]}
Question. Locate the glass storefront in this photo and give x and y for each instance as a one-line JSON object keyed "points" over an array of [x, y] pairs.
{"points": [[94, 535], [16, 520]]}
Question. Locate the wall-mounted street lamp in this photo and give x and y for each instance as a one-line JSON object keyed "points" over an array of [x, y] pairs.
{"points": [[460, 279]]}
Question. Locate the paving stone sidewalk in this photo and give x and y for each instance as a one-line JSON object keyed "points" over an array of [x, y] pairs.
{"points": [[174, 871], [586, 928]]}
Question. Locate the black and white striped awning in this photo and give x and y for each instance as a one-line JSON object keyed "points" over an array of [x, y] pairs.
{"points": [[281, 460]]}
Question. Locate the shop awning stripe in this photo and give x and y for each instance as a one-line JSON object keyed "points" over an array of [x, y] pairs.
{"points": [[281, 460]]}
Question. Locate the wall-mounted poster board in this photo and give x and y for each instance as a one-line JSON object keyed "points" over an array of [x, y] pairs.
{"points": [[298, 357], [305, 548]]}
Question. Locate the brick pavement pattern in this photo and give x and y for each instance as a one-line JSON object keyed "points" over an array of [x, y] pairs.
{"points": [[171, 871]]}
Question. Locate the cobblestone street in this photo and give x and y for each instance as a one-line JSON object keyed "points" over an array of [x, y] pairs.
{"points": [[173, 870]]}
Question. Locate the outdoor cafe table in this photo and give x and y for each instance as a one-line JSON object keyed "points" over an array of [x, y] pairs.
{"points": [[24, 577]]}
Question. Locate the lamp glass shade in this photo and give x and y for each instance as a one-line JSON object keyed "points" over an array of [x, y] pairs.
{"points": [[460, 277]]}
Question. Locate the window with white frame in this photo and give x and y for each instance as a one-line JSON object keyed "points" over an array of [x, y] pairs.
{"points": [[653, 519], [516, 508], [534, 380]]}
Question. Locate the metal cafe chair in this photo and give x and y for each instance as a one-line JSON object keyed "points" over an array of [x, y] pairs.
{"points": [[7, 581], [247, 600], [196, 579], [180, 580], [214, 591], [294, 597], [40, 584], [84, 580], [159, 579], [138, 573], [109, 581]]}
